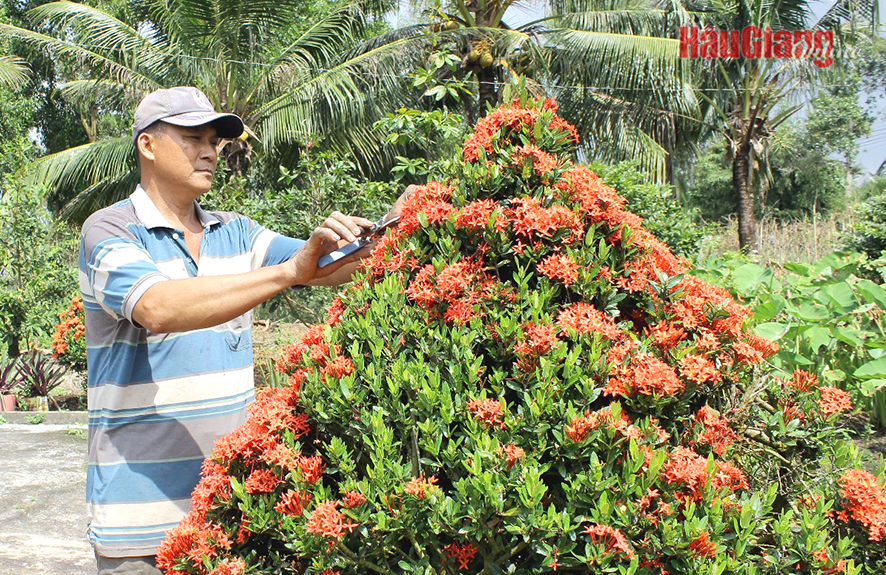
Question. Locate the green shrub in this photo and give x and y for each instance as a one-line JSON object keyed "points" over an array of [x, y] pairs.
{"points": [[524, 380], [868, 236], [824, 316]]}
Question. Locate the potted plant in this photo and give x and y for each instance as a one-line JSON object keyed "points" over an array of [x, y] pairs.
{"points": [[9, 382], [39, 375]]}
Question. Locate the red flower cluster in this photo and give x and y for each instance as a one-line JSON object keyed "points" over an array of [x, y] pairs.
{"points": [[475, 215], [688, 470], [542, 162], [262, 481], [612, 540], [646, 375], [585, 318], [69, 328], [560, 267], [715, 430], [487, 411], [512, 118], [833, 400], [460, 286], [293, 502], [513, 454], [701, 546], [865, 501], [803, 380], [418, 487], [462, 553], [327, 521]]}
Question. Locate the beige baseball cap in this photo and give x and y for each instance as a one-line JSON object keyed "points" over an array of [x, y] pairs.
{"points": [[183, 106]]}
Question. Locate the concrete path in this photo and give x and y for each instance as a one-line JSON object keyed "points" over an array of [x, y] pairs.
{"points": [[43, 513]]}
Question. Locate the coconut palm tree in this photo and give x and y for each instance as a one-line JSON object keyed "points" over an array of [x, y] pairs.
{"points": [[289, 82], [747, 98], [613, 65]]}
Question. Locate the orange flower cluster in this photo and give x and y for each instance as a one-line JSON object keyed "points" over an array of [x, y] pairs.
{"points": [[542, 162], [865, 501], [262, 481], [715, 430], [70, 327], [612, 540], [460, 286], [487, 411], [475, 215], [419, 486], [699, 369], [327, 521], [833, 400], [293, 502], [701, 546], [580, 427], [585, 318], [533, 222], [432, 199], [194, 540], [802, 380], [687, 469], [229, 567], [338, 367], [560, 267], [513, 454], [352, 499], [512, 118], [462, 553], [539, 339], [646, 375]]}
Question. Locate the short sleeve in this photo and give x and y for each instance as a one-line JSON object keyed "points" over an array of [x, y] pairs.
{"points": [[270, 248], [115, 268]]}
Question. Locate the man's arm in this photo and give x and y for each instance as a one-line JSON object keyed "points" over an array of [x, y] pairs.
{"points": [[200, 302]]}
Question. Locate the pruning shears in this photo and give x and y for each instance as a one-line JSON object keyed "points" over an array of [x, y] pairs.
{"points": [[367, 237]]}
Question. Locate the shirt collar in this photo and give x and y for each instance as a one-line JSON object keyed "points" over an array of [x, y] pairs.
{"points": [[151, 217]]}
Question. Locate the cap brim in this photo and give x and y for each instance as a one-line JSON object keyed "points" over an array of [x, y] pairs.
{"points": [[226, 125]]}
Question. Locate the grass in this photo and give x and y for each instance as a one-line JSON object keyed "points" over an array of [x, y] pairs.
{"points": [[803, 241]]}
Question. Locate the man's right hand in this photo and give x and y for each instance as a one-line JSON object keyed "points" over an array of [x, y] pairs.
{"points": [[338, 229]]}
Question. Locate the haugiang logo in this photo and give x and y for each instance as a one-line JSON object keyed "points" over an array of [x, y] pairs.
{"points": [[754, 42]]}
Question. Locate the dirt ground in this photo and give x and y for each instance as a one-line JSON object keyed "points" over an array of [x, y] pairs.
{"points": [[42, 488]]}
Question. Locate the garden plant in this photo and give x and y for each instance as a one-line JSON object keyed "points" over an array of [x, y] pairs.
{"points": [[69, 338], [525, 380]]}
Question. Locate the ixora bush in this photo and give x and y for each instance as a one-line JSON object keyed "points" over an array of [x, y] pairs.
{"points": [[524, 380], [69, 337]]}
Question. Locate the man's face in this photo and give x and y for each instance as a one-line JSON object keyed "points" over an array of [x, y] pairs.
{"points": [[186, 157]]}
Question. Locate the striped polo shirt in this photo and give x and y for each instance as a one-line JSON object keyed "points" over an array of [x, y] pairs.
{"points": [[158, 402]]}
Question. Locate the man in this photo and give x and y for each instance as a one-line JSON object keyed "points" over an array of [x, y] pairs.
{"points": [[167, 292]]}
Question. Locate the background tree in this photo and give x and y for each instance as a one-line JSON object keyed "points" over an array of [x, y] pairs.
{"points": [[749, 97], [289, 82]]}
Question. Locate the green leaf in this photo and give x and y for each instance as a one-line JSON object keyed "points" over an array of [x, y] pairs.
{"points": [[872, 293], [841, 294], [773, 331], [876, 368], [818, 337]]}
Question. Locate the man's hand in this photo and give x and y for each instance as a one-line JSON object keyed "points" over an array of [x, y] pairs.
{"points": [[338, 229], [398, 205]]}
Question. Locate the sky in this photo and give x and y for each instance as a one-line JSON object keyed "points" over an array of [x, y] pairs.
{"points": [[872, 149]]}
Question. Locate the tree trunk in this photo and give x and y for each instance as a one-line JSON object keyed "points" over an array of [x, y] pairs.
{"points": [[741, 185], [486, 89]]}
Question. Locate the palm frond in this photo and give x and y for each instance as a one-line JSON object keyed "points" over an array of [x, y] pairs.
{"points": [[69, 172], [13, 71], [71, 51], [102, 193], [343, 95]]}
